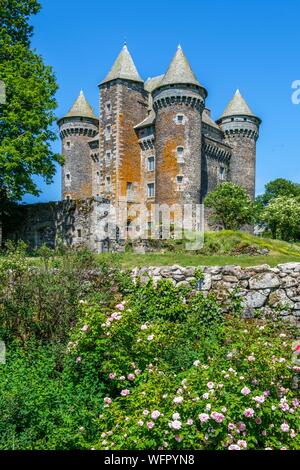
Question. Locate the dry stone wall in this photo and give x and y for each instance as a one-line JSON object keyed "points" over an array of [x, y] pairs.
{"points": [[260, 287]]}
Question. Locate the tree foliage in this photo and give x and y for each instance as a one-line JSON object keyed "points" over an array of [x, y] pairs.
{"points": [[27, 115], [231, 206], [282, 216]]}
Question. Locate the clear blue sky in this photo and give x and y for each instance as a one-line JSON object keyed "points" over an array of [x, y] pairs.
{"points": [[251, 45]]}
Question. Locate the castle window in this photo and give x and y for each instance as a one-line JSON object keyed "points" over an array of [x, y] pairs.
{"points": [[68, 143], [79, 233], [179, 179], [67, 179], [129, 190], [108, 107], [150, 189], [107, 184], [180, 152], [107, 158], [68, 197], [107, 132], [98, 176], [222, 173], [151, 163], [180, 118]]}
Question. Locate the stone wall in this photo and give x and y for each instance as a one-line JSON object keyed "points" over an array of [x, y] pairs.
{"points": [[71, 222], [261, 287]]}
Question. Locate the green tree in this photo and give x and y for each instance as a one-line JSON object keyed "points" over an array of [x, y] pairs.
{"points": [[282, 217], [231, 206], [279, 187], [27, 115]]}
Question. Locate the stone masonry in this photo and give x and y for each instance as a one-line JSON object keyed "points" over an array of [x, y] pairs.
{"points": [[260, 287]]}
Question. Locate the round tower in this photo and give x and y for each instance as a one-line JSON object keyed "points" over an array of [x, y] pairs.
{"points": [[241, 129], [77, 128], [178, 101]]}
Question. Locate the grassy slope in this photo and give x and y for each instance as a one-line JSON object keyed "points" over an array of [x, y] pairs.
{"points": [[217, 251]]}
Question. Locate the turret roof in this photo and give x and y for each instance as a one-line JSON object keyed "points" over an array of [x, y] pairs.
{"points": [[179, 71], [123, 68], [237, 106], [81, 108]]}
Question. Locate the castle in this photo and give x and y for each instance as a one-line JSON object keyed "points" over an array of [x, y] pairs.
{"points": [[153, 142]]}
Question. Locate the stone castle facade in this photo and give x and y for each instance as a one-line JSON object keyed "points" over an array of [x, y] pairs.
{"points": [[153, 142]]}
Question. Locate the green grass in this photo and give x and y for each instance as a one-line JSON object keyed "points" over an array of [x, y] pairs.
{"points": [[218, 250]]}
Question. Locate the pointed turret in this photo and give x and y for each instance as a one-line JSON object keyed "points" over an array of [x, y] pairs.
{"points": [[237, 107], [179, 71], [241, 131], [123, 68], [81, 108]]}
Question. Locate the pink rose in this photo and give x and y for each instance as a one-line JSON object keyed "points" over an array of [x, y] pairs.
{"points": [[112, 376], [249, 413], [85, 328], [218, 417], [150, 425], [175, 424], [178, 438], [125, 392], [107, 400], [120, 307], [178, 400], [242, 444], [78, 359], [285, 427], [245, 391], [130, 376], [155, 414], [204, 417]]}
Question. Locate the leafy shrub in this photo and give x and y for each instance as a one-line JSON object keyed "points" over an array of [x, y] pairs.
{"points": [[183, 385]]}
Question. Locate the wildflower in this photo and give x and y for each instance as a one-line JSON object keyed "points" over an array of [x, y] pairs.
{"points": [[125, 392], [120, 307], [85, 328], [249, 413], [245, 391], [150, 337], [155, 414], [204, 417], [144, 327], [150, 425], [196, 363], [285, 427], [107, 400]]}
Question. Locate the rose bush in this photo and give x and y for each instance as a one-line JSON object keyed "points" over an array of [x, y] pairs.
{"points": [[177, 383]]}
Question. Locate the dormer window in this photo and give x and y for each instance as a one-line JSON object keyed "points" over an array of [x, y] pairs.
{"points": [[180, 154]]}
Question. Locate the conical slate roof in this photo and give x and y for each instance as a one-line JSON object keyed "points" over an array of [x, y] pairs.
{"points": [[123, 67], [237, 106], [82, 108], [179, 71]]}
